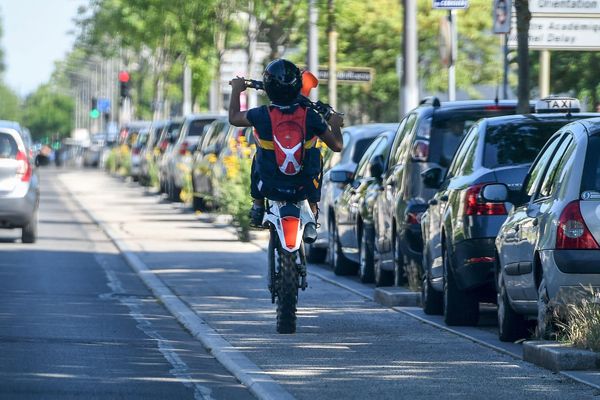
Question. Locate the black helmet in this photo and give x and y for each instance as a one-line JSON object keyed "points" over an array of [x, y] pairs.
{"points": [[283, 81]]}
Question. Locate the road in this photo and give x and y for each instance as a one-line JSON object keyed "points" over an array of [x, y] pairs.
{"points": [[74, 313]]}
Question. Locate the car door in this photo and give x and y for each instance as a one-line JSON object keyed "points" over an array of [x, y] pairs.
{"points": [[391, 186], [513, 248], [347, 205]]}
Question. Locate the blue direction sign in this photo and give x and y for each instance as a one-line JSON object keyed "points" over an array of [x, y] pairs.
{"points": [[450, 4], [103, 105]]}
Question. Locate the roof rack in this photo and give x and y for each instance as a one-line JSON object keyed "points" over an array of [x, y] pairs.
{"points": [[434, 101]]}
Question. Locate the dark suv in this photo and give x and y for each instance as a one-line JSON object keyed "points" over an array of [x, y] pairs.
{"points": [[427, 137]]}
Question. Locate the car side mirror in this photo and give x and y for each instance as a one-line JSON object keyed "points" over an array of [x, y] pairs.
{"points": [[376, 167], [172, 139], [432, 177], [495, 193], [344, 177]]}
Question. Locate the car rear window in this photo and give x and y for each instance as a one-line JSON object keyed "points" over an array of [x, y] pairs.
{"points": [[360, 147], [448, 127], [197, 126], [8, 146], [517, 143], [591, 170]]}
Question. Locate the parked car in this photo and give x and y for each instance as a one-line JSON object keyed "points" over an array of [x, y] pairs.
{"points": [[19, 184], [460, 226], [548, 247], [204, 171], [92, 154], [353, 229], [136, 150], [148, 154], [178, 158], [428, 136], [167, 139], [341, 167]]}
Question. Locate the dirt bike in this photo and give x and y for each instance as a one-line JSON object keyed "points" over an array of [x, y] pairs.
{"points": [[287, 222]]}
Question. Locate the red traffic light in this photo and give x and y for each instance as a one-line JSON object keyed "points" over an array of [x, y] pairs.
{"points": [[124, 76]]}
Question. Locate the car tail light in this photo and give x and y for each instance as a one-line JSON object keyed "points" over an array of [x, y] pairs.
{"points": [[475, 205], [414, 218], [420, 150], [163, 145], [184, 148], [497, 107], [572, 232], [23, 167]]}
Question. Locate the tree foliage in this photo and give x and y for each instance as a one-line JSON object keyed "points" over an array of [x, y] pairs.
{"points": [[48, 113]]}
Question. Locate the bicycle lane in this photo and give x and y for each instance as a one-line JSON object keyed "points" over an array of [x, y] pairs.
{"points": [[346, 346]]}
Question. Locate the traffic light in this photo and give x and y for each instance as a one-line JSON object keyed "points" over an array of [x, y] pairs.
{"points": [[124, 84], [94, 113]]}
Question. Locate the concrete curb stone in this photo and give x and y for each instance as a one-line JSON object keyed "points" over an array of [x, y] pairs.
{"points": [[559, 356]]}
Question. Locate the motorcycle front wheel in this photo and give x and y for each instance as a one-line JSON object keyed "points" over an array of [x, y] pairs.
{"points": [[287, 292]]}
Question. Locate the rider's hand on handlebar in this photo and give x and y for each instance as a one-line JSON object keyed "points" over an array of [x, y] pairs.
{"points": [[238, 84], [336, 120]]}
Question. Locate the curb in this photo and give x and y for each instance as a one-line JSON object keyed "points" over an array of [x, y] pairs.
{"points": [[559, 357], [397, 297], [258, 382]]}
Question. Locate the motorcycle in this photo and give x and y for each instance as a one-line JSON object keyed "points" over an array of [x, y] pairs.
{"points": [[287, 222]]}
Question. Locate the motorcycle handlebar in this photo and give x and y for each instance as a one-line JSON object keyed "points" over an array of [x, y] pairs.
{"points": [[322, 108]]}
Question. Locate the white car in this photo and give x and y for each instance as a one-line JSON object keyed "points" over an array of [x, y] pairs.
{"points": [[19, 186], [548, 247]]}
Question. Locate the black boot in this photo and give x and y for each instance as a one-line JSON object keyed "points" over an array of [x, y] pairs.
{"points": [[256, 216]]}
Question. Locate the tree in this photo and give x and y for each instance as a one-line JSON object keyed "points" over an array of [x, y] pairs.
{"points": [[48, 113], [10, 104]]}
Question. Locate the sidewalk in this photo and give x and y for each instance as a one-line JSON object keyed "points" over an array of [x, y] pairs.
{"points": [[346, 346]]}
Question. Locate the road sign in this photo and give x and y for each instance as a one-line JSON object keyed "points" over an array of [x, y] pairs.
{"points": [[548, 33], [104, 105], [502, 16], [348, 75], [560, 8], [450, 4]]}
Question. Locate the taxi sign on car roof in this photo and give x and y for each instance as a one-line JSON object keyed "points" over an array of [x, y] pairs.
{"points": [[557, 104]]}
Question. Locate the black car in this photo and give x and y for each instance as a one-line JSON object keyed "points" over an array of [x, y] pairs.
{"points": [[353, 229], [427, 137], [460, 226]]}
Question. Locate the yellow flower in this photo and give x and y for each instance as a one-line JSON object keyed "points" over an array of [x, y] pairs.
{"points": [[212, 158]]}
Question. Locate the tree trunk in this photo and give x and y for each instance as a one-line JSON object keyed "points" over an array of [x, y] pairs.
{"points": [[523, 18]]}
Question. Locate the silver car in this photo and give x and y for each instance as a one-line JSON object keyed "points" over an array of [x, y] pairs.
{"points": [[19, 186], [548, 247]]}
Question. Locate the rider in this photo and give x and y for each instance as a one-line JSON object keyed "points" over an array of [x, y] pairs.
{"points": [[282, 83]]}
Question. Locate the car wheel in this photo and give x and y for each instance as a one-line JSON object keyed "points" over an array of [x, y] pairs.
{"points": [[315, 254], [431, 300], [366, 266], [382, 277], [29, 231], [341, 265], [399, 270], [460, 307], [511, 326], [545, 316]]}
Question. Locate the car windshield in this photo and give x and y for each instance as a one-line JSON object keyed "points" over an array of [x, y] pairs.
{"points": [[197, 127], [8, 146], [449, 127], [591, 170], [519, 142]]}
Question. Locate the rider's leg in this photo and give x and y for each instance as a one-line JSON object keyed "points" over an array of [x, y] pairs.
{"points": [[257, 211]]}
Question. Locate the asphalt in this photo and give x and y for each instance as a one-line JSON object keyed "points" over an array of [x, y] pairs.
{"points": [[346, 346], [76, 321]]}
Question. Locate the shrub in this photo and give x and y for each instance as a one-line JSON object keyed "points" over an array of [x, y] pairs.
{"points": [[582, 321], [234, 194]]}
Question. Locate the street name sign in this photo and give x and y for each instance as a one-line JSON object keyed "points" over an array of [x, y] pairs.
{"points": [[549, 33], [561, 7], [450, 4], [346, 75]]}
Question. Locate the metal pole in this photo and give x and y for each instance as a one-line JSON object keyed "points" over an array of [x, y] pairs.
{"points": [[187, 89], [252, 97], [544, 73], [313, 45], [505, 79], [332, 36], [452, 68], [409, 82]]}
